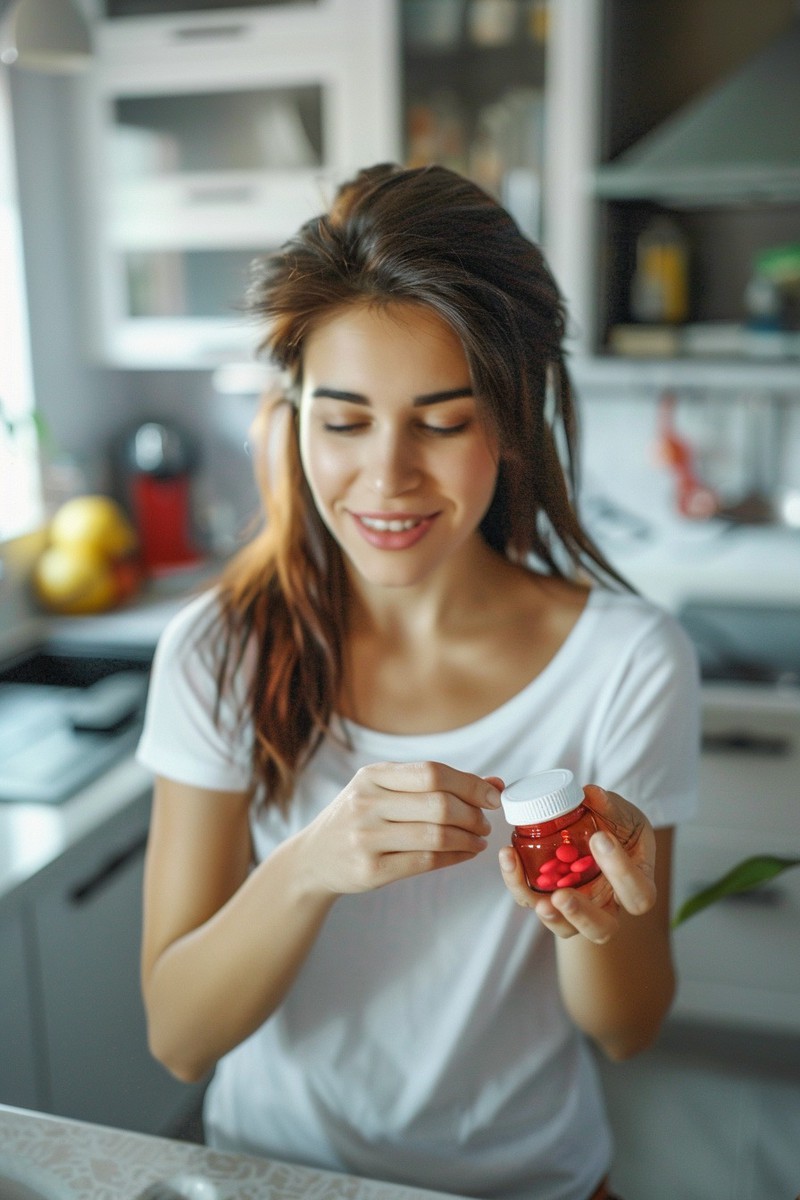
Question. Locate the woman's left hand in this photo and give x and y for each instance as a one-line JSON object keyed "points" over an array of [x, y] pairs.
{"points": [[624, 849]]}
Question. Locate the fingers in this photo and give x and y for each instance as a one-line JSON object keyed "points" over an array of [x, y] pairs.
{"points": [[565, 912], [631, 878], [434, 777], [430, 794], [514, 878], [568, 912], [394, 820]]}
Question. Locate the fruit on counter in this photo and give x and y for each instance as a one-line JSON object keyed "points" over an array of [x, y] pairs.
{"points": [[96, 521], [90, 563]]}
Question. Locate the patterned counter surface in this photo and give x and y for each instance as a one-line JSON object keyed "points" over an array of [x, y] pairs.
{"points": [[73, 1160]]}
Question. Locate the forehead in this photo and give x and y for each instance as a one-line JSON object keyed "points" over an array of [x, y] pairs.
{"points": [[385, 342]]}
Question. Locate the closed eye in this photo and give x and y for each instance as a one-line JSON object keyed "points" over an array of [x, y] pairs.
{"points": [[446, 430], [343, 427]]}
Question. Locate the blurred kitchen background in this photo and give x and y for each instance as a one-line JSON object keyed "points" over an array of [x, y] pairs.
{"points": [[653, 146]]}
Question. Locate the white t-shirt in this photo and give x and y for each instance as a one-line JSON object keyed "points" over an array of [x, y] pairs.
{"points": [[424, 1040]]}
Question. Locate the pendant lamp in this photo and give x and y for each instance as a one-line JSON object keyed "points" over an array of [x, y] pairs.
{"points": [[45, 35]]}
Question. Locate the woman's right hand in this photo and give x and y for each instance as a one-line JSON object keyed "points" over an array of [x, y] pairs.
{"points": [[395, 820]]}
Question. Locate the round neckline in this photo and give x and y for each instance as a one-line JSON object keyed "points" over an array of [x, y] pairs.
{"points": [[365, 737]]}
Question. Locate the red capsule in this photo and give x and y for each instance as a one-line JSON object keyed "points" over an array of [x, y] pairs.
{"points": [[551, 867], [546, 883], [583, 864], [567, 853]]}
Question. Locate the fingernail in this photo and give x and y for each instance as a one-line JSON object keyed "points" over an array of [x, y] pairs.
{"points": [[492, 797], [602, 843], [506, 861]]}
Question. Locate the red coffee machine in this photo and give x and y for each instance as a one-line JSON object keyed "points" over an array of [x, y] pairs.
{"points": [[159, 459]]}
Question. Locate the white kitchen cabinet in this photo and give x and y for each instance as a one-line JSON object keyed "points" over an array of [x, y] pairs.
{"points": [[739, 961], [87, 930], [211, 132], [209, 137], [19, 1076]]}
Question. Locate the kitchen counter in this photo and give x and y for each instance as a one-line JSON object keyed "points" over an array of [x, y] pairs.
{"points": [[689, 560], [82, 1161], [34, 837]]}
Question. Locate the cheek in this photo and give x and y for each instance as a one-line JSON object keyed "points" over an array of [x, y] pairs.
{"points": [[323, 467], [476, 476]]}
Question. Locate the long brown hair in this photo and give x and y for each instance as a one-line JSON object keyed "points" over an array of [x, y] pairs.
{"points": [[431, 237]]}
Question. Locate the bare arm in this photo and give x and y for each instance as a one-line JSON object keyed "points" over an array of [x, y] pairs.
{"points": [[223, 942], [619, 991], [221, 946], [613, 945]]}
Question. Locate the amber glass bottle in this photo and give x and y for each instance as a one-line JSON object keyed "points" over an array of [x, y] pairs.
{"points": [[552, 827]]}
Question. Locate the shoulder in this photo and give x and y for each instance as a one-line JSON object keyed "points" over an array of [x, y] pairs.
{"points": [[190, 628], [193, 649], [633, 618], [638, 640]]}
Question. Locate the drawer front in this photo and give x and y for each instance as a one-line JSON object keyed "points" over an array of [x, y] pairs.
{"points": [[750, 773], [739, 960]]}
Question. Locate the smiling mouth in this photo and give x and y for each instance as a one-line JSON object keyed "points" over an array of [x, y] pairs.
{"points": [[391, 524]]}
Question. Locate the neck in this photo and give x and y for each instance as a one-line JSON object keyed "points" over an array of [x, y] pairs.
{"points": [[460, 593]]}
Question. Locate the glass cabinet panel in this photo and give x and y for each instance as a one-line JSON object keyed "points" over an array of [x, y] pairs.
{"points": [[146, 8], [473, 94], [187, 283], [263, 129]]}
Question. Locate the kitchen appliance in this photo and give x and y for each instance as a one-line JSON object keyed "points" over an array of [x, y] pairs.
{"points": [[732, 139], [159, 459]]}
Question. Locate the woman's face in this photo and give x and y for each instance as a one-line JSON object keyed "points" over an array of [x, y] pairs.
{"points": [[400, 464]]}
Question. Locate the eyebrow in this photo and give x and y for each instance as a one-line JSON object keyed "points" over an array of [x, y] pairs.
{"points": [[329, 393]]}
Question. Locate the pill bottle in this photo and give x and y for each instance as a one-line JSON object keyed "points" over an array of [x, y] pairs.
{"points": [[552, 827]]}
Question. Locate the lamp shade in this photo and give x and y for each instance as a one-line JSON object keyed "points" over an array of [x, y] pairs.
{"points": [[45, 35]]}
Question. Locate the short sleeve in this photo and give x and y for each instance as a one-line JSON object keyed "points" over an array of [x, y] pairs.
{"points": [[648, 745], [183, 739]]}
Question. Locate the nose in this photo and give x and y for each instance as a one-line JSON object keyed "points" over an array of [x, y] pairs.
{"points": [[393, 467]]}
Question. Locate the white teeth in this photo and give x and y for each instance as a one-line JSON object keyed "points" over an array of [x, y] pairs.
{"points": [[383, 526]]}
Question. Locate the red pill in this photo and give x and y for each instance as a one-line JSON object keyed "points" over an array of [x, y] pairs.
{"points": [[583, 864], [551, 867], [546, 883], [567, 853], [569, 880]]}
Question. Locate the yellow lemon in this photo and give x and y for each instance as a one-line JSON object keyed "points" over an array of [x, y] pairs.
{"points": [[95, 521], [75, 580]]}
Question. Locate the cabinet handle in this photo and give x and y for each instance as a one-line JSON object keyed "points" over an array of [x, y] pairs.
{"points": [[742, 742], [196, 33], [220, 194], [83, 892]]}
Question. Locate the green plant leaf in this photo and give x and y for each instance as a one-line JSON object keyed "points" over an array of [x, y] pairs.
{"points": [[746, 875]]}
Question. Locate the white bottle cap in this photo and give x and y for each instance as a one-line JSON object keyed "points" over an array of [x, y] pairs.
{"points": [[541, 797]]}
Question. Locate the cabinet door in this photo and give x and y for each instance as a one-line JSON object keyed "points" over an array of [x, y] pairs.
{"points": [[88, 929], [474, 82], [739, 961], [209, 138], [18, 1067]]}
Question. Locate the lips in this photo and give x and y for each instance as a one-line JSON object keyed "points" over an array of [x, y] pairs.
{"points": [[393, 531]]}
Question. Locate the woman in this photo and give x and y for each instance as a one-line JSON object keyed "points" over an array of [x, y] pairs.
{"points": [[421, 620]]}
